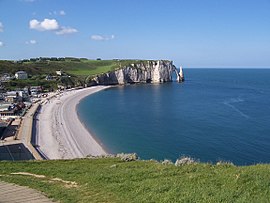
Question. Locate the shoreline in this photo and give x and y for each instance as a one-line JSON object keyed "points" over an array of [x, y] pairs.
{"points": [[60, 133], [91, 133]]}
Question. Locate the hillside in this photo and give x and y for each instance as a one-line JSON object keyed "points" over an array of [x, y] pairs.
{"points": [[112, 180], [79, 69]]}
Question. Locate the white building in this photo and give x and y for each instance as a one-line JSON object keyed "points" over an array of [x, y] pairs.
{"points": [[6, 77], [5, 107], [59, 72], [2, 97], [21, 75]]}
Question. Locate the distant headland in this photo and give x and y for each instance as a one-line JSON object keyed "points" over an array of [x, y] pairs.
{"points": [[52, 73]]}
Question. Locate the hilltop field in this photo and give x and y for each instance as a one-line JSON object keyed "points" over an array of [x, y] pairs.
{"points": [[78, 70], [112, 180]]}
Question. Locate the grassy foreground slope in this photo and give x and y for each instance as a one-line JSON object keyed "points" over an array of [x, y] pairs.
{"points": [[111, 180]]}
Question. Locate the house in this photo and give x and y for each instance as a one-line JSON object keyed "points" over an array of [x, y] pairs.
{"points": [[5, 107], [49, 77], [35, 90], [9, 114], [5, 77], [7, 110], [61, 87], [15, 96], [23, 95], [59, 72], [11, 97], [2, 97], [21, 75]]}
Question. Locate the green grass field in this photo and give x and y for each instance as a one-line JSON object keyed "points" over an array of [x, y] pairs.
{"points": [[111, 180], [90, 67], [76, 68]]}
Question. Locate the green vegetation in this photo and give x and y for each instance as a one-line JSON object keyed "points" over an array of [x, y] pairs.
{"points": [[79, 69], [15, 84], [112, 180], [91, 67]]}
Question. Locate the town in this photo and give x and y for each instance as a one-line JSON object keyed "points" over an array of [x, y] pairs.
{"points": [[14, 106]]}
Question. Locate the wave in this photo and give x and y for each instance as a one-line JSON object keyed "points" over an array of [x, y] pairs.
{"points": [[230, 103]]}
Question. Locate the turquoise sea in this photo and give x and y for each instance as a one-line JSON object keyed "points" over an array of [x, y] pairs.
{"points": [[216, 114]]}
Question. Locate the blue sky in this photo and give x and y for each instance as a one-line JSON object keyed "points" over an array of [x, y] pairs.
{"points": [[192, 33]]}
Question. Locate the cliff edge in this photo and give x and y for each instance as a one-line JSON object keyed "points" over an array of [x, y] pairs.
{"points": [[159, 71]]}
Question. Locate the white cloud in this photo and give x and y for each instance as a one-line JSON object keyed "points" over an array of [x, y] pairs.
{"points": [[32, 41], [102, 37], [1, 27], [46, 24], [51, 25], [62, 13], [1, 44], [66, 30]]}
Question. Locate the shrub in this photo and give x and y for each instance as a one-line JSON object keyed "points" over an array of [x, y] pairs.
{"points": [[184, 161], [167, 162], [128, 157], [227, 163]]}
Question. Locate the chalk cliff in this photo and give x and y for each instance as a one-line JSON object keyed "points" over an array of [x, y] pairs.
{"points": [[142, 72]]}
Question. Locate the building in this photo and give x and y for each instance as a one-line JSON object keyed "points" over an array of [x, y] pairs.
{"points": [[61, 87], [5, 77], [9, 114], [12, 97], [2, 97], [21, 75], [5, 107], [23, 95], [49, 77], [35, 90], [7, 110], [59, 72]]}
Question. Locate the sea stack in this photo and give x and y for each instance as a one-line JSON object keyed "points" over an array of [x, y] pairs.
{"points": [[181, 77], [181, 74]]}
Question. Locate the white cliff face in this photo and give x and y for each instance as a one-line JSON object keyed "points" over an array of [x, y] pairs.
{"points": [[120, 77], [147, 72], [156, 74], [180, 75]]}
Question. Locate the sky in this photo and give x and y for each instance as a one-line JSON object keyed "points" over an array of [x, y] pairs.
{"points": [[192, 33]]}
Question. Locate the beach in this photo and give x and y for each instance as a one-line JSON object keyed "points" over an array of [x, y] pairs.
{"points": [[59, 132]]}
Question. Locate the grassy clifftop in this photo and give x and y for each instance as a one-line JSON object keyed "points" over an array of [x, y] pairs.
{"points": [[112, 180], [75, 67], [78, 70]]}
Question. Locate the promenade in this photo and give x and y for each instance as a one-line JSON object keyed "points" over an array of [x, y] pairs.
{"points": [[25, 131], [22, 145]]}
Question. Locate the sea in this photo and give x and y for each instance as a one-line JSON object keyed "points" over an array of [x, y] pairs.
{"points": [[215, 115]]}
